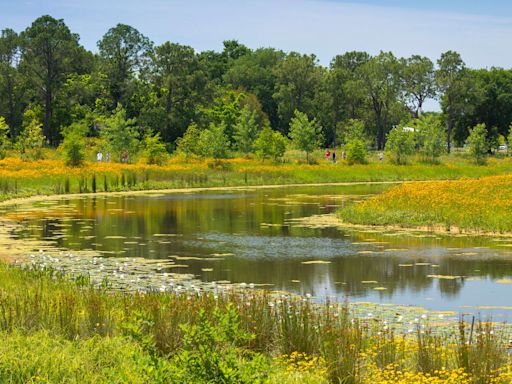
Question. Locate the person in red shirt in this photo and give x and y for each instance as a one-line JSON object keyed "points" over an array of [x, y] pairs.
{"points": [[327, 154]]}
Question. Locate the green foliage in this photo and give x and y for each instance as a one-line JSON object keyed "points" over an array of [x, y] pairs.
{"points": [[188, 144], [30, 140], [477, 142], [120, 133], [45, 357], [430, 137], [213, 142], [214, 352], [73, 145], [154, 150], [400, 144], [270, 144], [509, 138], [225, 110], [356, 151], [245, 131], [5, 142], [306, 135], [355, 139]]}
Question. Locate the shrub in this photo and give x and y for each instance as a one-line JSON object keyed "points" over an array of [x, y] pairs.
{"points": [[5, 143], [188, 144], [213, 142], [73, 145], [400, 144], [356, 151], [477, 142], [270, 144], [31, 138], [154, 150], [306, 134]]}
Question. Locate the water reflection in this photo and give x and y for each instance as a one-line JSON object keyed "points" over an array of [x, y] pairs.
{"points": [[250, 236]]}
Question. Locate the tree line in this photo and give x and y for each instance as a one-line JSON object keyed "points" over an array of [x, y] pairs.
{"points": [[132, 90]]}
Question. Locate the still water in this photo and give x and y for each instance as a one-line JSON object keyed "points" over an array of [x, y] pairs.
{"points": [[255, 236]]}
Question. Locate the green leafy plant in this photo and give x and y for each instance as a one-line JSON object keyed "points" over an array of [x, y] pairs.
{"points": [[477, 142], [400, 144], [270, 144], [73, 145], [306, 134]]}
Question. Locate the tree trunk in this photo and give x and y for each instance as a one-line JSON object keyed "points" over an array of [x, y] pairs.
{"points": [[449, 134], [47, 114]]}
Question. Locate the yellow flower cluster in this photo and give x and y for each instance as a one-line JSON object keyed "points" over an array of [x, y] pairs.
{"points": [[468, 204], [391, 375], [302, 362]]}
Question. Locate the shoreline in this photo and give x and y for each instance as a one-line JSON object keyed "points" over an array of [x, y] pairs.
{"points": [[333, 221]]}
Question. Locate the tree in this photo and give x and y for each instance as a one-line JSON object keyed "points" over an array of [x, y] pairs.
{"points": [[31, 138], [380, 77], [255, 73], [5, 143], [125, 53], [10, 82], [355, 139], [509, 139], [245, 131], [430, 137], [73, 146], [188, 144], [120, 133], [298, 80], [50, 52], [270, 144], [400, 144], [306, 135], [451, 79], [347, 97], [213, 142], [154, 150], [419, 82], [477, 142], [179, 84]]}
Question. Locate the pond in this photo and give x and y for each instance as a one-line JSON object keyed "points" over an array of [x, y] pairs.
{"points": [[256, 237]]}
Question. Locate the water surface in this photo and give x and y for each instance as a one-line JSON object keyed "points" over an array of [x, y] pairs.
{"points": [[252, 237]]}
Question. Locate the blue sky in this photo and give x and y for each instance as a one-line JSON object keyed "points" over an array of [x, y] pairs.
{"points": [[480, 30]]}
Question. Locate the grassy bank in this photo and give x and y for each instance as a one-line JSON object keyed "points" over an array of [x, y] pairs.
{"points": [[55, 329], [20, 178], [476, 205]]}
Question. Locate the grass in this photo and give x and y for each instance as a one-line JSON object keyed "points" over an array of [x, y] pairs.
{"points": [[57, 329], [477, 205], [21, 178]]}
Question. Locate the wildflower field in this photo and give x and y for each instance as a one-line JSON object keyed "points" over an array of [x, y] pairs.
{"points": [[20, 178], [57, 329], [475, 205]]}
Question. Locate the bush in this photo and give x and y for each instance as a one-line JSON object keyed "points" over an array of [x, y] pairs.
{"points": [[73, 145], [5, 143], [216, 353], [213, 142], [154, 150], [188, 144], [270, 144], [477, 142], [356, 152], [306, 135], [430, 137], [400, 144], [31, 139]]}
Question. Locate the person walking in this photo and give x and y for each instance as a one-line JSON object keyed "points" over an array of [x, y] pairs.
{"points": [[327, 154], [333, 157], [99, 157], [381, 156]]}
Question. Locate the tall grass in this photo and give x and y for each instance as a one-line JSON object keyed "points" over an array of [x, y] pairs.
{"points": [[27, 178], [223, 337], [470, 204]]}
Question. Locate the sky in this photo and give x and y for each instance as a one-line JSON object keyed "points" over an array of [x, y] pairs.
{"points": [[480, 30]]}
